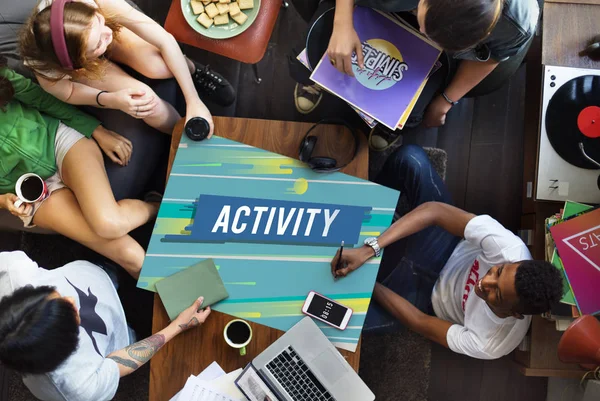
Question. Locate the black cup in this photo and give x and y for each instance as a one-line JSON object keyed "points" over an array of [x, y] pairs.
{"points": [[197, 129]]}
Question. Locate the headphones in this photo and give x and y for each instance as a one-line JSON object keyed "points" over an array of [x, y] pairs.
{"points": [[324, 164]]}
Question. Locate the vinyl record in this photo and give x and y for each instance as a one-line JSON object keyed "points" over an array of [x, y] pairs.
{"points": [[573, 121]]}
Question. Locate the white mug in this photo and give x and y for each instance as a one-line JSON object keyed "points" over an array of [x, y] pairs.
{"points": [[19, 190], [244, 342]]}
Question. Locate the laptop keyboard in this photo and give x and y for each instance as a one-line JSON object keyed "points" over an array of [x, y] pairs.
{"points": [[296, 378]]}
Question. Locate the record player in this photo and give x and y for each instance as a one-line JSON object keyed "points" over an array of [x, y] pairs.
{"points": [[569, 154]]}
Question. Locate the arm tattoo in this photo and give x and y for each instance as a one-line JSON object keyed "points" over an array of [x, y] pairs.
{"points": [[193, 322], [125, 362], [143, 350]]}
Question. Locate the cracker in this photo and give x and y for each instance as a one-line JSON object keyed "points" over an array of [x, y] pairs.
{"points": [[211, 10], [223, 8], [222, 19], [205, 20], [197, 7], [240, 18], [246, 4], [224, 1], [234, 9]]}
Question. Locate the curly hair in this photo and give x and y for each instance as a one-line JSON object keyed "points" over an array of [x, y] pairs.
{"points": [[35, 42], [37, 333], [539, 286], [6, 89]]}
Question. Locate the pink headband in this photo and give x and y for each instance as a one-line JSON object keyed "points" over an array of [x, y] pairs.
{"points": [[57, 33]]}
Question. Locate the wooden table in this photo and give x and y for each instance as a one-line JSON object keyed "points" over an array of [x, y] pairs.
{"points": [[248, 47], [568, 27], [192, 351]]}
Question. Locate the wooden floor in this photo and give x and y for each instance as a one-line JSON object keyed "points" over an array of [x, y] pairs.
{"points": [[484, 141]]}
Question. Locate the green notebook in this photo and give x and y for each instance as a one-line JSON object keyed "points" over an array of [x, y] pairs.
{"points": [[180, 290]]}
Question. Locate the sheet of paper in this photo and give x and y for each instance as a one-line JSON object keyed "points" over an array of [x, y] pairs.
{"points": [[212, 372], [176, 396], [226, 385], [199, 390]]}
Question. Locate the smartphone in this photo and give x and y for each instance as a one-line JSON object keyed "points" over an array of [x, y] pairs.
{"points": [[327, 310]]}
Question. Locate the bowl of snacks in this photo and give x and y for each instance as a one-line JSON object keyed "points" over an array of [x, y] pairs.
{"points": [[220, 19]]}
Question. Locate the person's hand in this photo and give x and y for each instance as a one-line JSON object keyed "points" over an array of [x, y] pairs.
{"points": [[116, 147], [343, 42], [352, 259], [192, 316], [7, 201], [134, 102], [435, 115], [199, 109]]}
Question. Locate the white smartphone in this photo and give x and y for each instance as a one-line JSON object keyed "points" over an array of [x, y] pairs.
{"points": [[327, 310]]}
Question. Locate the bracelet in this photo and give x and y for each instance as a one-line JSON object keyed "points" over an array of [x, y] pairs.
{"points": [[98, 97], [448, 99]]}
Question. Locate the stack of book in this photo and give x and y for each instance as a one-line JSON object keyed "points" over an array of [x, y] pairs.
{"points": [[573, 247], [398, 61]]}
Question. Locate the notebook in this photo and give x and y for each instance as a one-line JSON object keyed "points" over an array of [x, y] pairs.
{"points": [[181, 289]]}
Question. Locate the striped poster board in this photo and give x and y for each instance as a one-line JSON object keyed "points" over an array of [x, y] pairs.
{"points": [[272, 226]]}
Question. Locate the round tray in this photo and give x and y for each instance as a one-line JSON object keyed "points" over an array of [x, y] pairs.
{"points": [[219, 31]]}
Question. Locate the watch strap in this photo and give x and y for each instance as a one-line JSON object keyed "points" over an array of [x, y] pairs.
{"points": [[375, 245]]}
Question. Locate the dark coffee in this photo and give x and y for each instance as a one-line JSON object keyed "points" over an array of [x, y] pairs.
{"points": [[32, 188], [238, 332]]}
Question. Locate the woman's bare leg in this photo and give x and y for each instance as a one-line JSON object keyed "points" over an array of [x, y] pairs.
{"points": [[62, 214], [114, 79], [142, 56], [84, 173]]}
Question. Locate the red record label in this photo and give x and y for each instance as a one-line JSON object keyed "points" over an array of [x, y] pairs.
{"points": [[588, 121]]}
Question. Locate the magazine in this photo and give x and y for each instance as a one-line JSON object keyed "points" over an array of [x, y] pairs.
{"points": [[577, 241], [397, 63]]}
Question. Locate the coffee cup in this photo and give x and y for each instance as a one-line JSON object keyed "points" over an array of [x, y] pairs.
{"points": [[30, 188], [238, 334], [197, 129]]}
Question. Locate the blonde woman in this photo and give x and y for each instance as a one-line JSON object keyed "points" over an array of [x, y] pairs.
{"points": [[73, 48]]}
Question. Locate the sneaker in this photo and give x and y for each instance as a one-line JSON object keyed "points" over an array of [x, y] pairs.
{"points": [[307, 98], [382, 138], [213, 86]]}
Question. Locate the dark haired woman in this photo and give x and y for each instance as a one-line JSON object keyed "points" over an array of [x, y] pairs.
{"points": [[42, 135], [64, 330], [481, 34]]}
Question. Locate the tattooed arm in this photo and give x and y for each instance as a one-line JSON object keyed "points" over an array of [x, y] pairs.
{"points": [[130, 358]]}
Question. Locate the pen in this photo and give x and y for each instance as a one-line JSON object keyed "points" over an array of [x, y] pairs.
{"points": [[339, 263]]}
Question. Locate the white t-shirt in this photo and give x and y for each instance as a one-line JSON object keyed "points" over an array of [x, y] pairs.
{"points": [[86, 374], [477, 331]]}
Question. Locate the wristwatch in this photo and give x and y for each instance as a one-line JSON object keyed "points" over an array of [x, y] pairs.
{"points": [[372, 242]]}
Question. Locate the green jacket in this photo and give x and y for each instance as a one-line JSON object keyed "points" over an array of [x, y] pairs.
{"points": [[28, 127]]}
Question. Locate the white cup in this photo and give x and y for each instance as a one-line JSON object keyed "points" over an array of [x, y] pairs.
{"points": [[39, 196], [243, 342]]}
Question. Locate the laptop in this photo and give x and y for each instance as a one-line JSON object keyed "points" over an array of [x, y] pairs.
{"points": [[302, 365]]}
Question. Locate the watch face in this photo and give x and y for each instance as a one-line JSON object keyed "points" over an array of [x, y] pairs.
{"points": [[369, 240]]}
